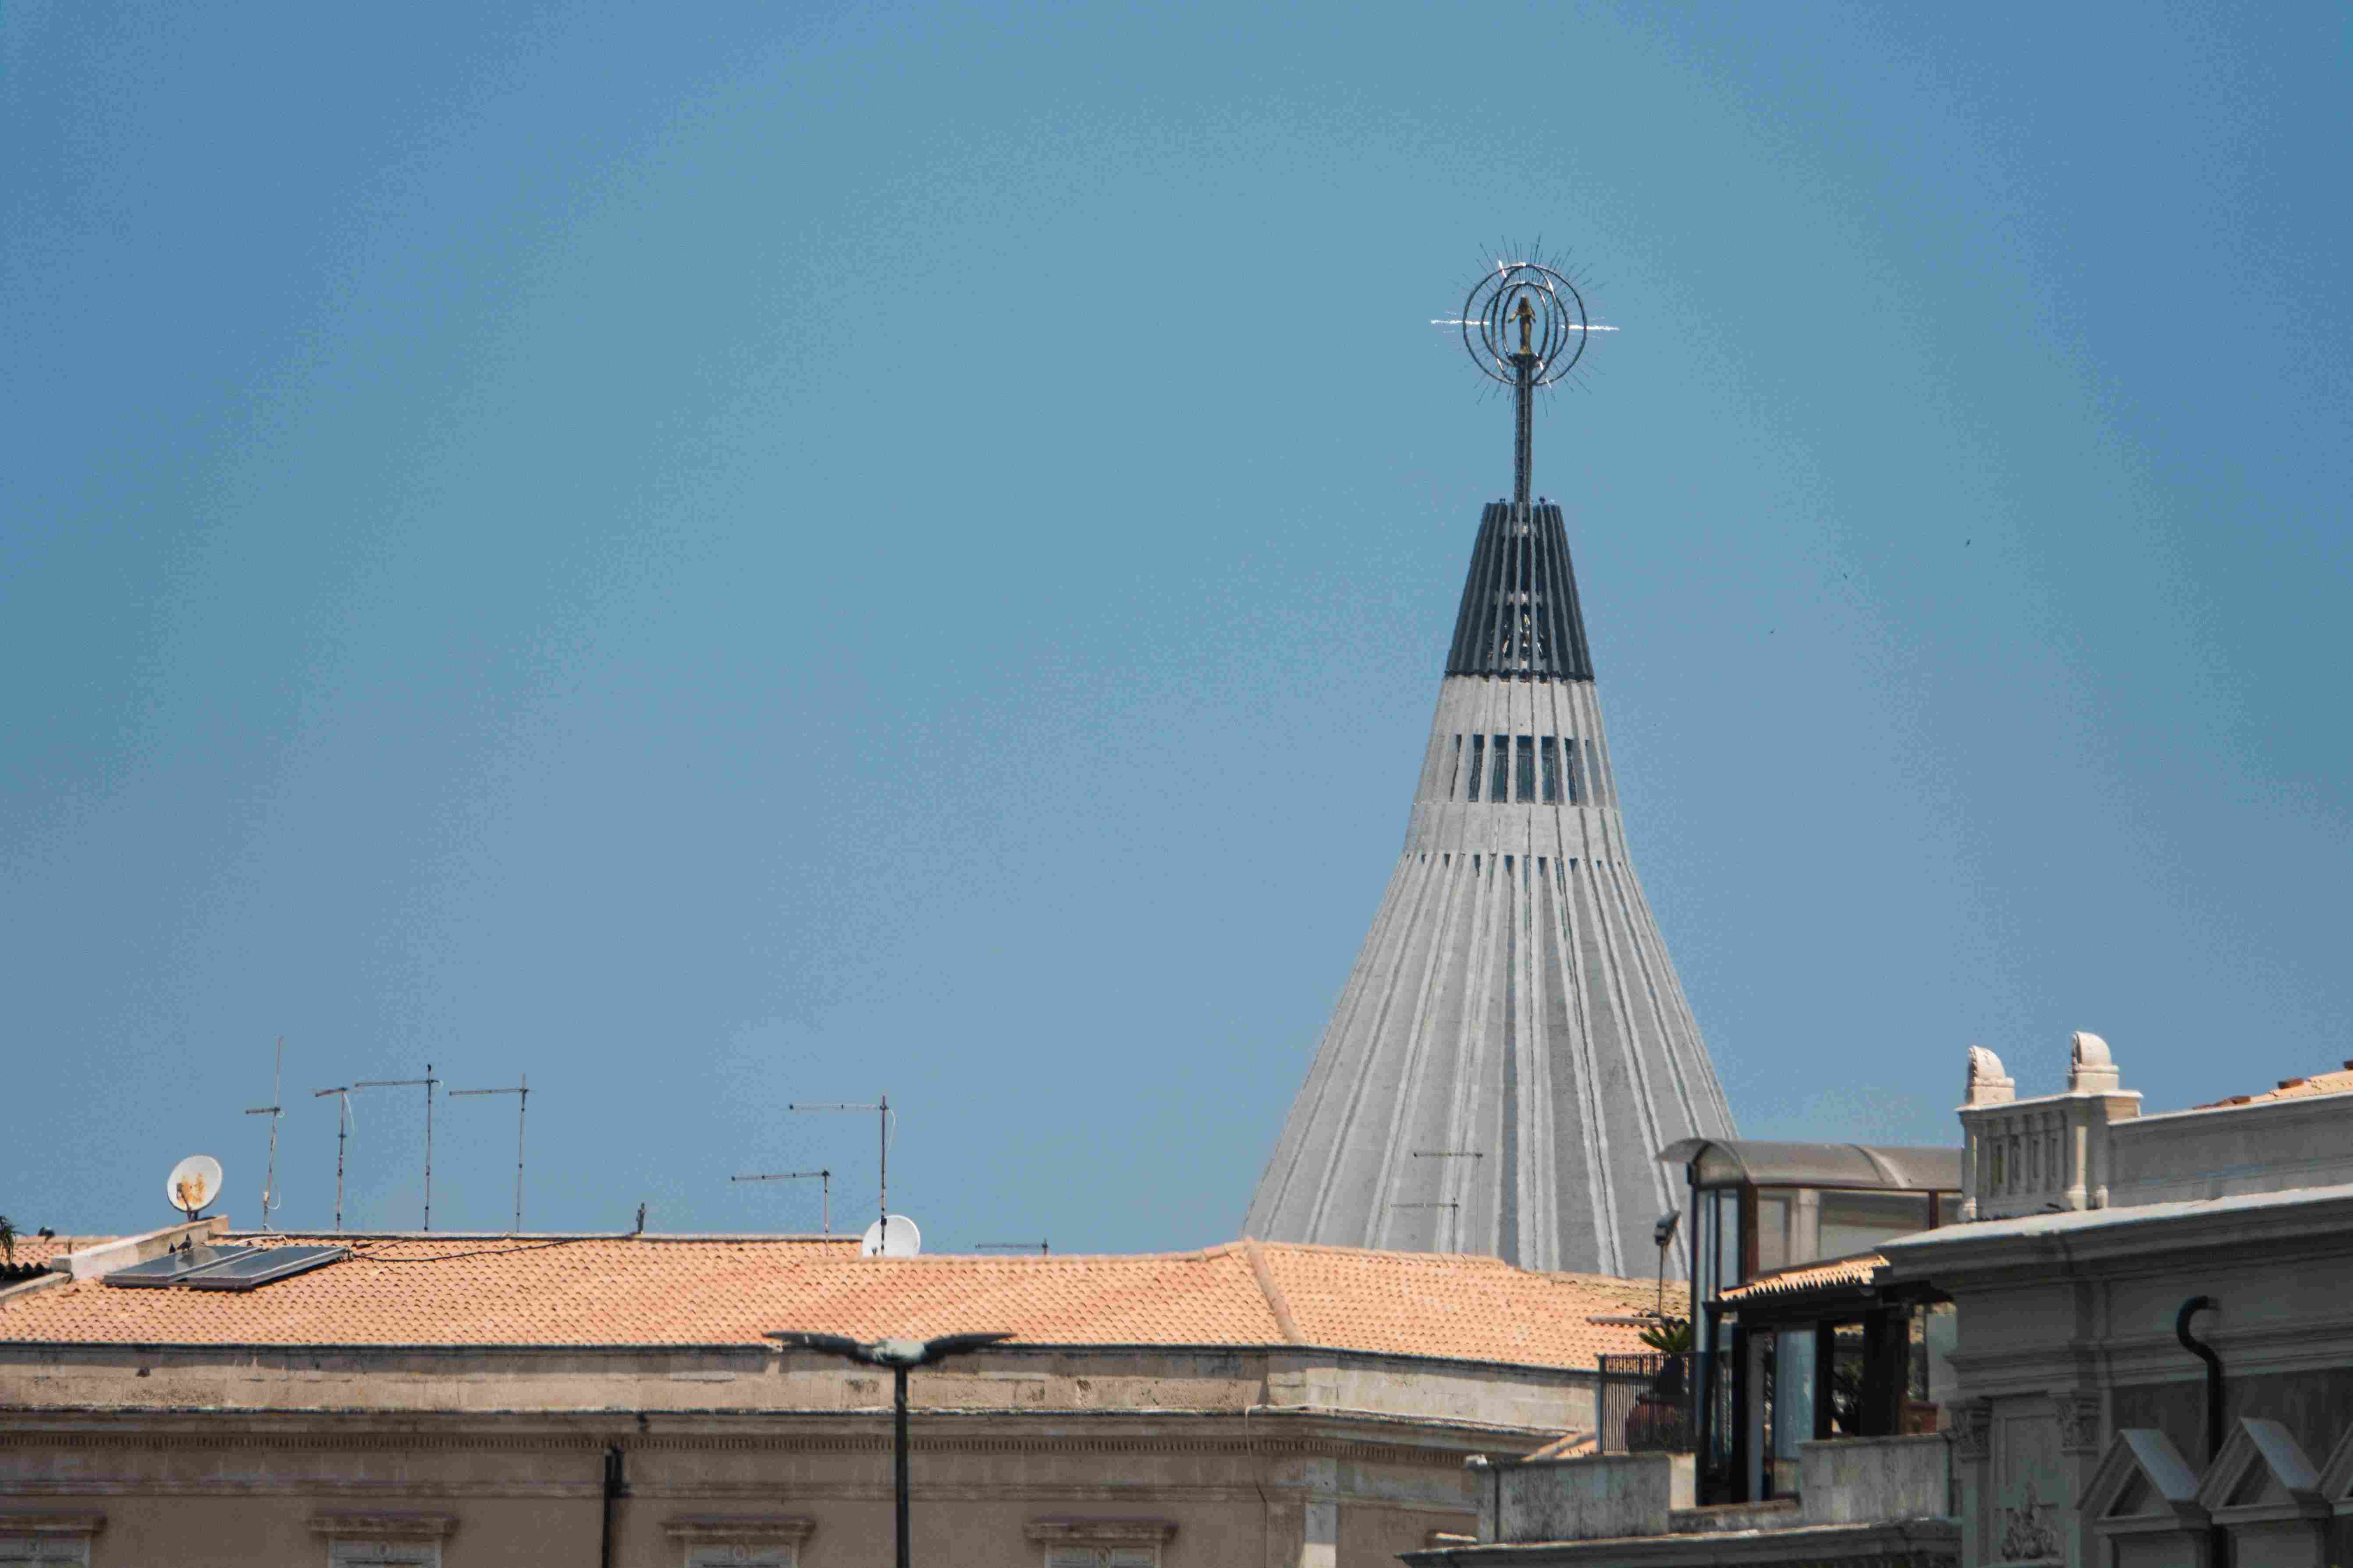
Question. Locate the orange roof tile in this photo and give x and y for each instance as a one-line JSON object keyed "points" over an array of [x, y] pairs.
{"points": [[2340, 1083], [1479, 1309], [1855, 1270], [653, 1290]]}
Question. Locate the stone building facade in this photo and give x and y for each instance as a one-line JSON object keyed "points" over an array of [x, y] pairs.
{"points": [[2151, 1367], [453, 1401]]}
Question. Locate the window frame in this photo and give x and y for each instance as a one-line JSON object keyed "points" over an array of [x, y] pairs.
{"points": [[1106, 1542], [727, 1541], [386, 1540], [49, 1540]]}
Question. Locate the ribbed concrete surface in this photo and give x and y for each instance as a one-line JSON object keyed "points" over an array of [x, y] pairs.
{"points": [[1513, 1048]]}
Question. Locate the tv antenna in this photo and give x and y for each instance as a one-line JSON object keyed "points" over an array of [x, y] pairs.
{"points": [[823, 1178], [883, 1114], [1039, 1248], [428, 1080], [343, 1132], [521, 1092], [1524, 324], [273, 1111]]}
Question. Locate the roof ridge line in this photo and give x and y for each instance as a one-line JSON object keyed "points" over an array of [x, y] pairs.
{"points": [[1276, 1301]]}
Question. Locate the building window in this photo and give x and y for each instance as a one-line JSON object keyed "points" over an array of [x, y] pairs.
{"points": [[1551, 769], [1478, 758], [47, 1540], [1499, 781], [1580, 788], [1524, 752], [1454, 768], [1857, 1222]]}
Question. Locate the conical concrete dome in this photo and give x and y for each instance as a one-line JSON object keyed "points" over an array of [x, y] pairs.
{"points": [[1512, 1049]]}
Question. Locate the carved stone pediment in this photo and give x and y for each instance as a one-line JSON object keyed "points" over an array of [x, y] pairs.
{"points": [[2261, 1474], [2143, 1485]]}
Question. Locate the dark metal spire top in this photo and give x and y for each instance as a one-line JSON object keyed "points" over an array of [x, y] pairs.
{"points": [[1520, 615]]}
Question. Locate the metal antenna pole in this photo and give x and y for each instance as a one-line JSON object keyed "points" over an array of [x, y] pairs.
{"points": [[1524, 373], [342, 1131], [521, 1092], [883, 1113], [428, 1080], [1042, 1249], [272, 1111]]}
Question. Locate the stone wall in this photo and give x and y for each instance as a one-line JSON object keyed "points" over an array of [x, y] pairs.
{"points": [[1281, 1457]]}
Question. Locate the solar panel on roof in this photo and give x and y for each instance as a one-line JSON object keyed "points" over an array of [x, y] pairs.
{"points": [[174, 1267], [261, 1265]]}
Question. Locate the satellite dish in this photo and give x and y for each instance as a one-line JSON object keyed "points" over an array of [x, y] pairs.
{"points": [[904, 1239], [193, 1183]]}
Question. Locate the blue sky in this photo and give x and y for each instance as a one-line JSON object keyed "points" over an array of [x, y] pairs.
{"points": [[743, 555]]}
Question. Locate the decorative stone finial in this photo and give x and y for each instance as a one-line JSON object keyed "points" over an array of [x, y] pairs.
{"points": [[2090, 1068], [1988, 1085]]}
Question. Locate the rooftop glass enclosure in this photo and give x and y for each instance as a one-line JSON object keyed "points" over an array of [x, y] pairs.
{"points": [[1824, 1353]]}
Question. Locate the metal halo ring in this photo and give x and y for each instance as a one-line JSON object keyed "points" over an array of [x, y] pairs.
{"points": [[1559, 318]]}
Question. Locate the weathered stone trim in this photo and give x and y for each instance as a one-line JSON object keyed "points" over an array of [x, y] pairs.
{"points": [[739, 1530], [2079, 1420], [74, 1521], [346, 1524], [1973, 1431], [1101, 1531]]}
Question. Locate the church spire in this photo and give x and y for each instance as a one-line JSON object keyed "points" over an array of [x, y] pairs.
{"points": [[1512, 1049]]}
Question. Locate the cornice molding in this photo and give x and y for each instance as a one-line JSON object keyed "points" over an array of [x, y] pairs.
{"points": [[1230, 1441]]}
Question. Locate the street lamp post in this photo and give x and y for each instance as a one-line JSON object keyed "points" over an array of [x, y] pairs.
{"points": [[902, 1356]]}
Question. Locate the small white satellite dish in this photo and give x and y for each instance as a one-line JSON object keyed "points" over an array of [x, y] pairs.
{"points": [[903, 1241], [193, 1183]]}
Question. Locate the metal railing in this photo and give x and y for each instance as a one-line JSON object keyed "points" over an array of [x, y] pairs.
{"points": [[1645, 1402]]}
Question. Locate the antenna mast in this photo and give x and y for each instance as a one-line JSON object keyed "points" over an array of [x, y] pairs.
{"points": [[428, 1080], [342, 1131], [823, 1178], [274, 1109], [882, 1111], [1525, 325], [521, 1092]]}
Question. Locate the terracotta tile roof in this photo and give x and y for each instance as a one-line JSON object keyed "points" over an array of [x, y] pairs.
{"points": [[2340, 1083], [1480, 1309], [652, 1290], [1855, 1270]]}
